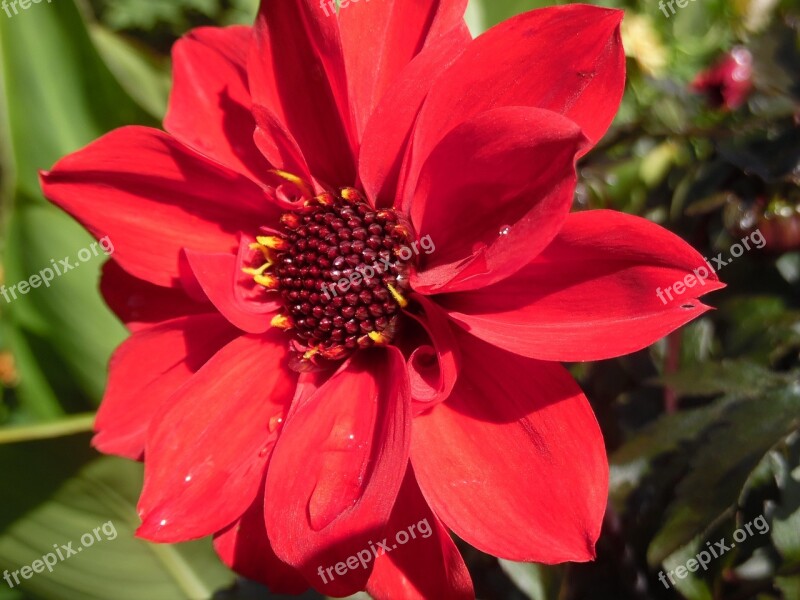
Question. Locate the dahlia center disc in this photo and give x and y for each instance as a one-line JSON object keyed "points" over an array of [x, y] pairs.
{"points": [[341, 268]]}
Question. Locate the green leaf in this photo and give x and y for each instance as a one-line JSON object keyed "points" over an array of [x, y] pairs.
{"points": [[789, 586], [144, 74], [538, 582], [147, 14], [55, 509], [786, 520], [59, 93], [59, 96], [691, 585], [727, 376], [719, 471], [70, 314], [67, 426], [632, 462]]}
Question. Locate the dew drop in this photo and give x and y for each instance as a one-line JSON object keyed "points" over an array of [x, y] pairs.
{"points": [[188, 478], [275, 422], [163, 522], [504, 230]]}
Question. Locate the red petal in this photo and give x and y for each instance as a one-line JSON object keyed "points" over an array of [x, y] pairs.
{"points": [[514, 461], [592, 294], [207, 449], [381, 38], [387, 132], [296, 72], [245, 548], [432, 370], [428, 564], [496, 188], [278, 145], [568, 59], [144, 372], [209, 107], [152, 197], [217, 275], [140, 304], [337, 468]]}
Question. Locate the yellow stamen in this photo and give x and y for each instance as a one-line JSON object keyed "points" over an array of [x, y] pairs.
{"points": [[397, 296], [351, 194], [309, 354], [334, 353], [325, 199], [256, 272], [268, 281], [290, 220], [304, 187], [378, 337], [266, 252], [273, 242], [281, 322]]}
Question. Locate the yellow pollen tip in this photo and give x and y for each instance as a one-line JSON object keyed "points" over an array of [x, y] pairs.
{"points": [[397, 296], [290, 220], [264, 250], [256, 272], [351, 194], [273, 242], [325, 199], [281, 322], [300, 183], [377, 337], [309, 354], [268, 281]]}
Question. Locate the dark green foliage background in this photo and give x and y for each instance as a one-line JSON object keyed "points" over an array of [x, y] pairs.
{"points": [[702, 428]]}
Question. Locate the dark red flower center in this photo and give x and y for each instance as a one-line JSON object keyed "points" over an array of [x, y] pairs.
{"points": [[341, 268]]}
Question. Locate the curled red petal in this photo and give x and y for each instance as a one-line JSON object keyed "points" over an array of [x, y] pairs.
{"points": [[215, 433], [567, 59], [209, 106], [380, 38], [297, 73], [423, 562], [145, 370], [523, 473], [598, 291], [245, 548], [493, 193], [337, 468], [152, 197]]}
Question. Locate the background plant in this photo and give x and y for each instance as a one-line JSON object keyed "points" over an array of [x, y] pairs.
{"points": [[702, 428]]}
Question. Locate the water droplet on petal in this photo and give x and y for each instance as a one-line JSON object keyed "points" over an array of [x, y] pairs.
{"points": [[275, 422], [163, 522], [188, 478], [505, 229]]}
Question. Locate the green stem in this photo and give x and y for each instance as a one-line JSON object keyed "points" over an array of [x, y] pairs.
{"points": [[42, 431]]}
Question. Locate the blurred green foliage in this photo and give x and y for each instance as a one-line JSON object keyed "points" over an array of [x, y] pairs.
{"points": [[702, 428]]}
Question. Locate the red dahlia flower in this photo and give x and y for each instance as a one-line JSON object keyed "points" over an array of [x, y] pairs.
{"points": [[729, 82], [349, 270]]}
